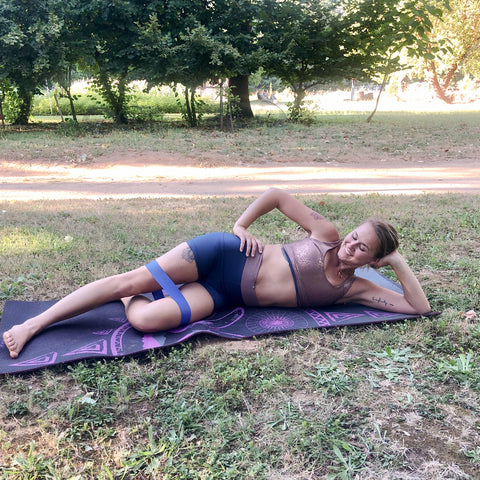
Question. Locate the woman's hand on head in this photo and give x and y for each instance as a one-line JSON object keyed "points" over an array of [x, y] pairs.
{"points": [[387, 260], [248, 243]]}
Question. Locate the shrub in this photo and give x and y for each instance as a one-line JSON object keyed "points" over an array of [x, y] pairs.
{"points": [[142, 107]]}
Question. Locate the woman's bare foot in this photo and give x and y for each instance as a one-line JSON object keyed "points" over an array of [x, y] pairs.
{"points": [[16, 338]]}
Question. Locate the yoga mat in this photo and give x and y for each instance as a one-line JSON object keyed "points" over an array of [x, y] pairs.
{"points": [[105, 332]]}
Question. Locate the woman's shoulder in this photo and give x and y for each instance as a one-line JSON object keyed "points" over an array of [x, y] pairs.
{"points": [[327, 233]]}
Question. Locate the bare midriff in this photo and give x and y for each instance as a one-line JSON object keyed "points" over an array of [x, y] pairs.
{"points": [[275, 285]]}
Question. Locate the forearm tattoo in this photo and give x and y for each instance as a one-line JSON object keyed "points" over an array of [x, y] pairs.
{"points": [[317, 216], [381, 301], [187, 255]]}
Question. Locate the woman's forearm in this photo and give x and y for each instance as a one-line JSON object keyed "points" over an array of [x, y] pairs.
{"points": [[412, 290], [265, 203]]}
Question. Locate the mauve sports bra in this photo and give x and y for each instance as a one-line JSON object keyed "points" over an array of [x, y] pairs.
{"points": [[306, 258], [307, 263]]}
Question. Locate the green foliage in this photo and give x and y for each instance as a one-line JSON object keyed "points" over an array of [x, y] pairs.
{"points": [[147, 459], [29, 467], [17, 408], [473, 455], [14, 287], [393, 363], [87, 104], [457, 29], [332, 379], [349, 463], [463, 369], [29, 32], [191, 107], [306, 44], [189, 43], [142, 106], [11, 103], [301, 44]]}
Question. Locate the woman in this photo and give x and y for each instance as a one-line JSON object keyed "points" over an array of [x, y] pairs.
{"points": [[219, 269]]}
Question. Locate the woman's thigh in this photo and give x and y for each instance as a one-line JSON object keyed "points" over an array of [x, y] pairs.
{"points": [[178, 264]]}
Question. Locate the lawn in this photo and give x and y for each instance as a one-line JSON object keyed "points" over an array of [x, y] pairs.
{"points": [[396, 401]]}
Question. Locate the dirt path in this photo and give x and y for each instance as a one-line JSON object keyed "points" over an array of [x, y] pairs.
{"points": [[155, 174]]}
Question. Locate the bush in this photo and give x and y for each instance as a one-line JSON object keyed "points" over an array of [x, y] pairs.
{"points": [[11, 105], [44, 105], [142, 107]]}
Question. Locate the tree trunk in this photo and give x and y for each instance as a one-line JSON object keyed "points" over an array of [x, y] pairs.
{"points": [[191, 112], [193, 107], [72, 105], [239, 88], [382, 87], [439, 89], [120, 116], [58, 107], [2, 116], [66, 84], [295, 109], [299, 97]]}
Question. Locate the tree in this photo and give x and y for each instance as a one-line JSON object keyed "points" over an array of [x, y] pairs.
{"points": [[181, 43], [300, 43], [29, 30], [460, 27], [5, 88], [233, 22], [307, 42], [196, 58], [43, 40], [109, 32], [72, 46], [381, 34]]}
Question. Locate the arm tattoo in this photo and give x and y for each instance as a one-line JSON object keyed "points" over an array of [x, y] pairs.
{"points": [[381, 301], [187, 255], [317, 216]]}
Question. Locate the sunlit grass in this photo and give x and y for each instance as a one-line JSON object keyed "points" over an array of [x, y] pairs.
{"points": [[411, 136], [17, 241]]}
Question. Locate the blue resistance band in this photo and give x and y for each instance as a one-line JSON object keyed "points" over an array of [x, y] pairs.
{"points": [[167, 284]]}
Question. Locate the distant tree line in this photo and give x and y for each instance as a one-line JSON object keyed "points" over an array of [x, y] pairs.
{"points": [[190, 42]]}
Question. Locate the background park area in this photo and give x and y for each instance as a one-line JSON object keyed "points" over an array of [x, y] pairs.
{"points": [[192, 109]]}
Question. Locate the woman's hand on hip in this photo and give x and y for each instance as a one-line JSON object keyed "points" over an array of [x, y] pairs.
{"points": [[248, 243]]}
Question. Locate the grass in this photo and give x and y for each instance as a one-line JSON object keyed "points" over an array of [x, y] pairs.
{"points": [[335, 136], [396, 401]]}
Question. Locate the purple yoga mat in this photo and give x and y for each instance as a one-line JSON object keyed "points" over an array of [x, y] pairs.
{"points": [[105, 332]]}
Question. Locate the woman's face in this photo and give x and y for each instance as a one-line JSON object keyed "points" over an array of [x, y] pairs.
{"points": [[359, 247]]}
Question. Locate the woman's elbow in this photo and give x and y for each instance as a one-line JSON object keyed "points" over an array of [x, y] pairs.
{"points": [[421, 308]]}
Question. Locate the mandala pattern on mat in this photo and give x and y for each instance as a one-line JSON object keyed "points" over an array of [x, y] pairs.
{"points": [[274, 321]]}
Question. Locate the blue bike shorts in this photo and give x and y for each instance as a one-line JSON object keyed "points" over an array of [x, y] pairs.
{"points": [[220, 265]]}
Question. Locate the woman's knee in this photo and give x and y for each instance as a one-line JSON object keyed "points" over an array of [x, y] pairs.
{"points": [[140, 321], [142, 324], [148, 317]]}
